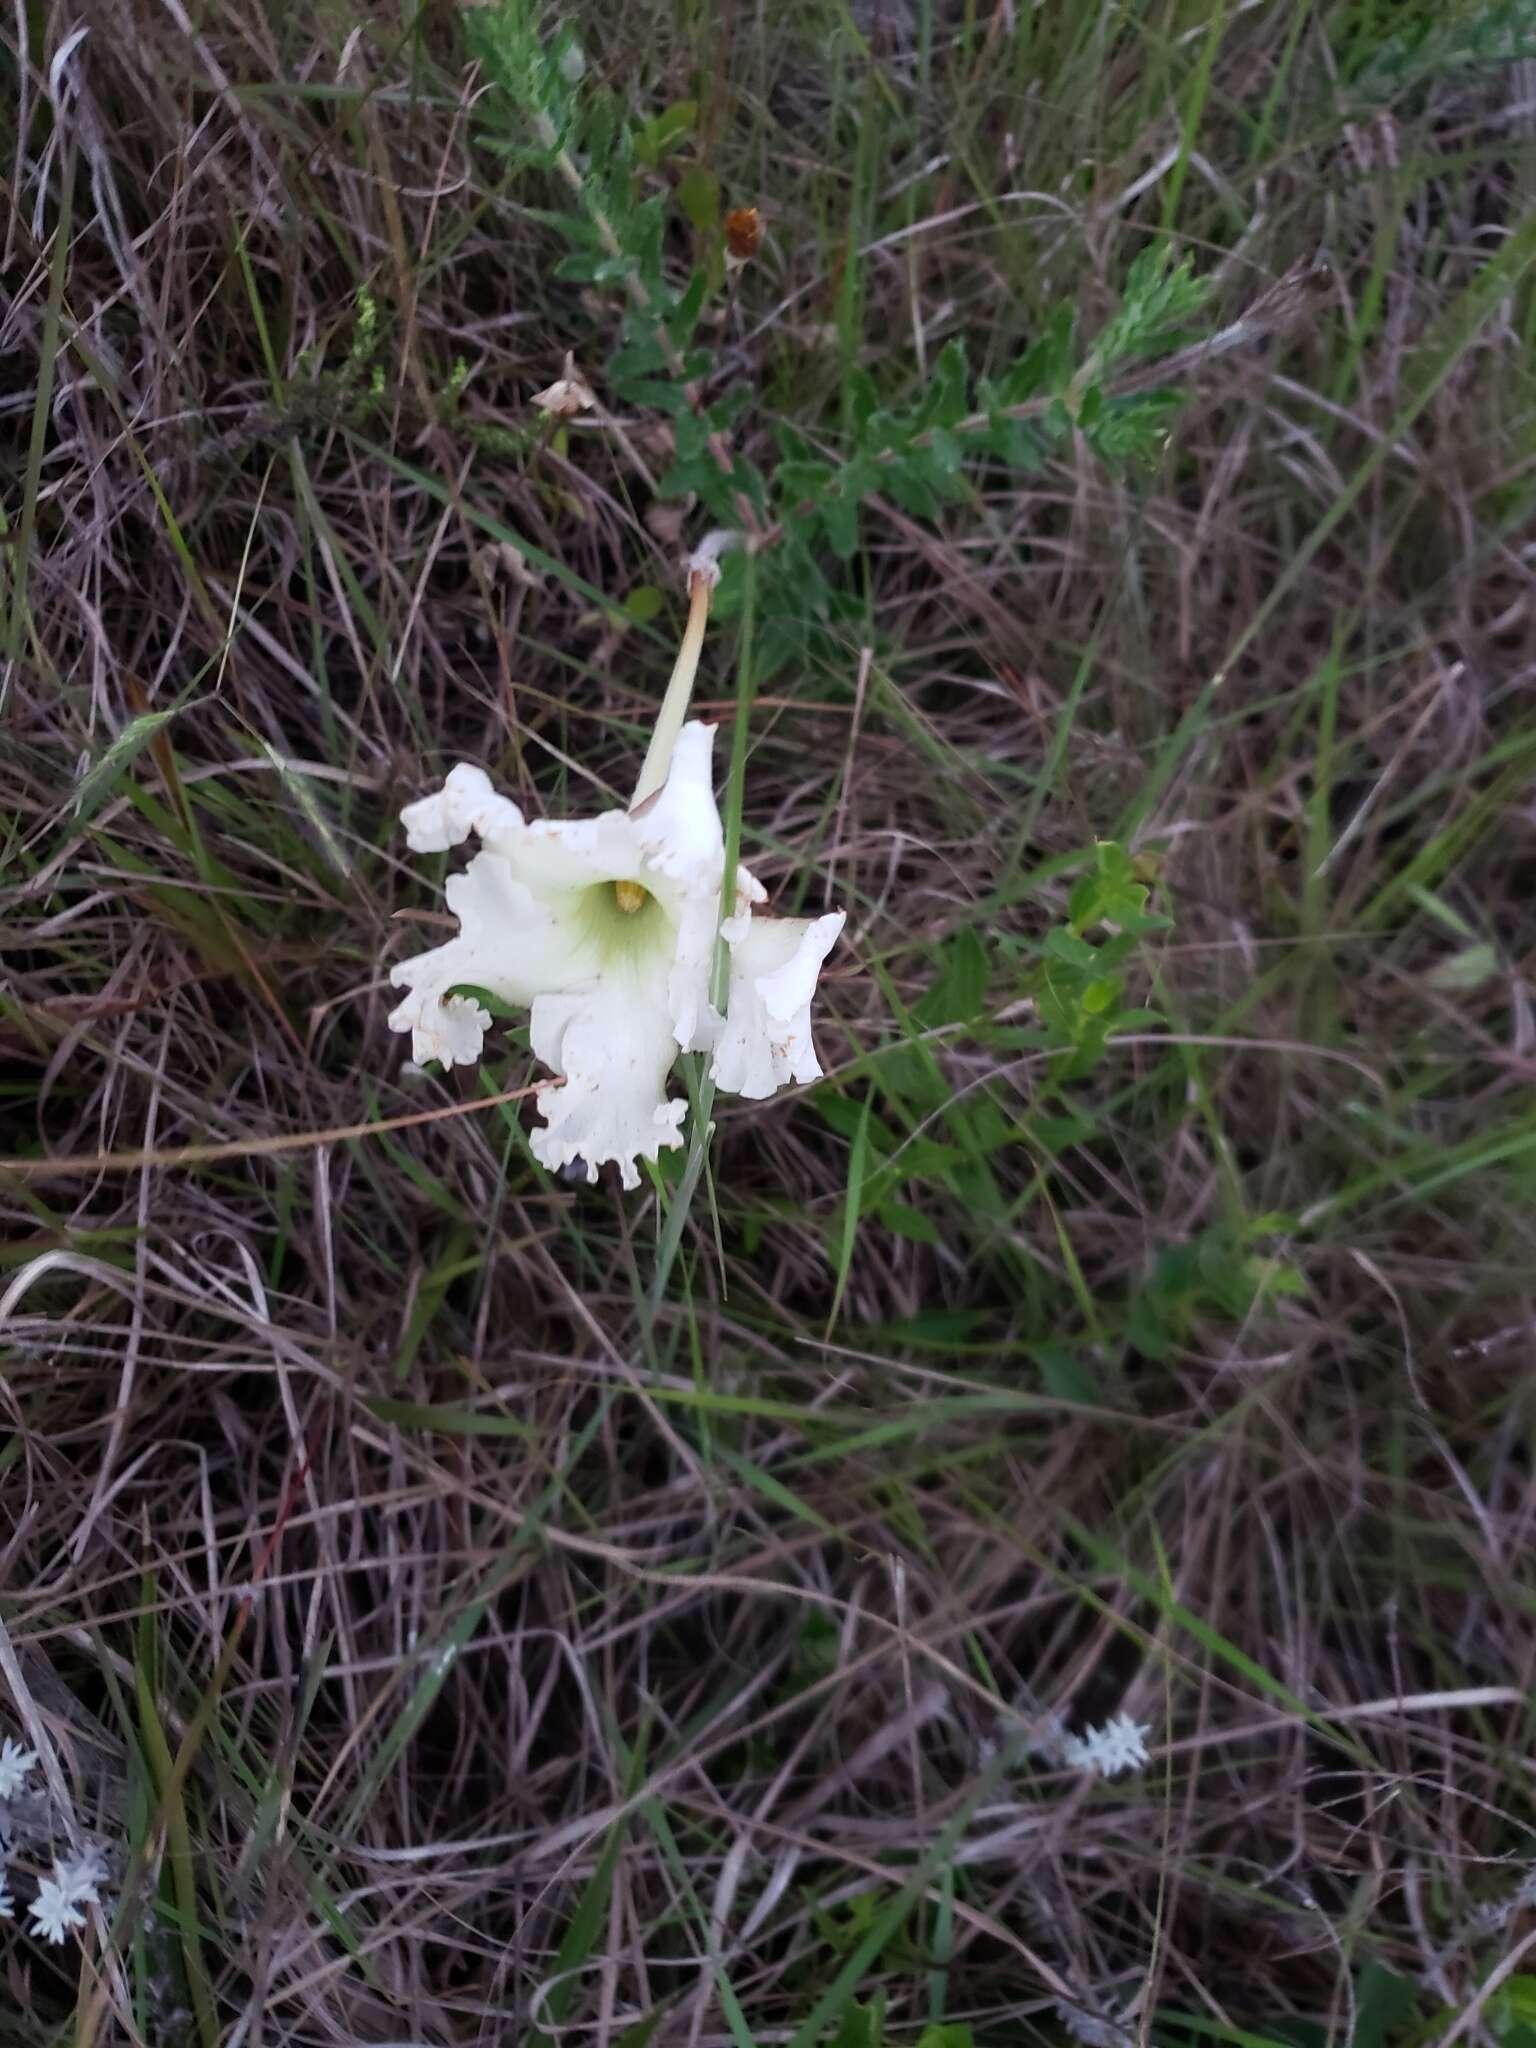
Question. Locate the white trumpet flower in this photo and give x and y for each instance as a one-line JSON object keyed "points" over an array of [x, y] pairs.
{"points": [[605, 928]]}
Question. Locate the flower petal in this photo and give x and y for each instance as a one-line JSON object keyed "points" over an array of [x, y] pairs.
{"points": [[573, 853], [684, 846], [511, 942], [450, 1029], [613, 1042], [679, 828], [466, 803], [766, 1039]]}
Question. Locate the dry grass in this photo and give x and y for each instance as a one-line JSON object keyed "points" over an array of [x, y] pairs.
{"points": [[455, 1642]]}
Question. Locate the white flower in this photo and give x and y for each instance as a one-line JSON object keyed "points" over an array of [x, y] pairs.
{"points": [[7, 1903], [570, 392], [15, 1763], [54, 1912], [84, 1875], [606, 927], [76, 1883], [1120, 1745]]}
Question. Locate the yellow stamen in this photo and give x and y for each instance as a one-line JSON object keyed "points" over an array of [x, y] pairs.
{"points": [[629, 896]]}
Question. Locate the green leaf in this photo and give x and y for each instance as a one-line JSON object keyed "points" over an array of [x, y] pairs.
{"points": [[945, 402], [944, 455], [959, 989], [1466, 970], [1045, 366], [861, 2026], [902, 1220], [663, 131], [1384, 2004], [797, 480], [1016, 442], [644, 357], [1158, 303], [840, 517], [1056, 1133], [1067, 947], [1099, 997], [1131, 429], [1063, 1374], [905, 482], [698, 194], [684, 316], [448, 1420], [642, 605], [861, 397]]}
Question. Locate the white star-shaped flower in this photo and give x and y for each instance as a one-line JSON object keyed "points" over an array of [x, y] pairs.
{"points": [[83, 1876], [57, 1911], [606, 928], [15, 1764], [1120, 1745]]}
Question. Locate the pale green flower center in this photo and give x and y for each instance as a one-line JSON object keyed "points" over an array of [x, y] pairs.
{"points": [[622, 922]]}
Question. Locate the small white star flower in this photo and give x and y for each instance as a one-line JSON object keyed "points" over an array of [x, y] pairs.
{"points": [[76, 1883], [7, 1903], [84, 1875], [55, 1911], [1120, 1745], [570, 392], [15, 1764], [605, 927]]}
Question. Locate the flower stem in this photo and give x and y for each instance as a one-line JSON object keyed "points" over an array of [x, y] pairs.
{"points": [[674, 705]]}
